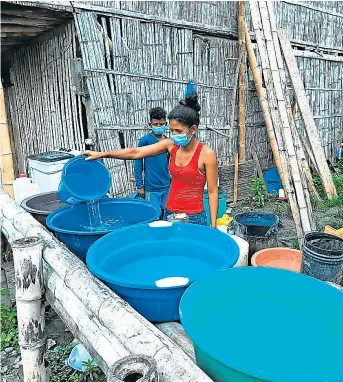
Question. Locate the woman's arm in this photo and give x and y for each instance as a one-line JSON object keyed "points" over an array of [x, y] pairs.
{"points": [[211, 167], [134, 153]]}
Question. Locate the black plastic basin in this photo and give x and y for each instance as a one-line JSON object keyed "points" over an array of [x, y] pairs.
{"points": [[41, 205]]}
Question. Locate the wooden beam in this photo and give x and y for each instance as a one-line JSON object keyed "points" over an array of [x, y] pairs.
{"points": [[318, 56], [235, 182], [21, 29], [306, 113], [36, 13], [25, 21], [241, 81]]}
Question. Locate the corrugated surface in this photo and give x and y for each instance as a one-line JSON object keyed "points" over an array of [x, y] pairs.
{"points": [[43, 111]]}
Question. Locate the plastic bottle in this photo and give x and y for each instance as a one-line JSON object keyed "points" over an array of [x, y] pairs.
{"points": [[23, 187], [243, 247], [78, 355]]}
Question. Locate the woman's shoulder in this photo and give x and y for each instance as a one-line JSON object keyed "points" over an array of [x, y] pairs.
{"points": [[169, 144], [208, 154]]}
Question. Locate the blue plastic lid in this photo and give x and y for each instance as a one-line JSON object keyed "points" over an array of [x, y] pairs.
{"points": [[271, 324]]}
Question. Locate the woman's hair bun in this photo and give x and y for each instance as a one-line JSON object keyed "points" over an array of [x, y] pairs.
{"points": [[191, 101], [191, 97]]}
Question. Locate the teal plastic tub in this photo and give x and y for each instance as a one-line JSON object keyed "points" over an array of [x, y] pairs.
{"points": [[221, 205], [262, 324]]}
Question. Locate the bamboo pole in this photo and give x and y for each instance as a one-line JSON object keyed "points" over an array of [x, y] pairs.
{"points": [[241, 81], [235, 181], [261, 92], [275, 92], [281, 165], [27, 256], [306, 113], [98, 340], [129, 328], [6, 162]]}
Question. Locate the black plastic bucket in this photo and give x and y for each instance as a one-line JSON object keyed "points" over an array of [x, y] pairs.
{"points": [[259, 229], [41, 205], [323, 257]]}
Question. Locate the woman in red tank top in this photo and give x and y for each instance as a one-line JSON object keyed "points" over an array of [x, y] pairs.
{"points": [[191, 166]]}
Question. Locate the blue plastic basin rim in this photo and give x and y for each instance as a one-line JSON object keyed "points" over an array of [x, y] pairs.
{"points": [[51, 216], [243, 367], [123, 283]]}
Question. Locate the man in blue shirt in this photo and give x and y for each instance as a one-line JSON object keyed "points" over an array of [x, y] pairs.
{"points": [[156, 183]]}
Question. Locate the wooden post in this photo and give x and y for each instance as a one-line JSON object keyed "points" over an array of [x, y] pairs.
{"points": [[241, 81], [264, 106], [235, 182], [306, 113], [27, 256], [6, 161]]}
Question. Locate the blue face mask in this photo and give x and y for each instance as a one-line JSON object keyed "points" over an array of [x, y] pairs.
{"points": [[158, 130], [181, 139]]}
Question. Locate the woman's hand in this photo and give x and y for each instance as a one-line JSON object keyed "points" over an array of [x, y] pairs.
{"points": [[92, 155]]}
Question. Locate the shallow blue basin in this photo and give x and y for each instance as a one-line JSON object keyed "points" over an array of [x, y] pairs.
{"points": [[71, 224], [151, 265], [262, 324]]}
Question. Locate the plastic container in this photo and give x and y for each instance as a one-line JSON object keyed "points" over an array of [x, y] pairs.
{"points": [[71, 223], [259, 229], [221, 205], [41, 205], [83, 181], [252, 324], [78, 355], [23, 187], [151, 265], [243, 246], [284, 258], [272, 180], [46, 168], [323, 256]]}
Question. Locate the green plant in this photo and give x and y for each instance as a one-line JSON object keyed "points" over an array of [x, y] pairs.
{"points": [[293, 243], [259, 194], [9, 328], [92, 370]]}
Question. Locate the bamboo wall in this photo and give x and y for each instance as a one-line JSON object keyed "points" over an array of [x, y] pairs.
{"points": [[43, 112], [151, 63]]}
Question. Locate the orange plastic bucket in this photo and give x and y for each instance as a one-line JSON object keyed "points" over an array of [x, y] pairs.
{"points": [[284, 258]]}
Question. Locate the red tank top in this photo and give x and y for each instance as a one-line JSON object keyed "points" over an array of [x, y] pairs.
{"points": [[187, 185]]}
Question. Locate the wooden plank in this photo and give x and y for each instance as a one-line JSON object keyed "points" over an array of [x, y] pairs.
{"points": [[241, 81], [24, 21], [275, 86], [235, 184], [21, 29], [306, 113], [272, 105]]}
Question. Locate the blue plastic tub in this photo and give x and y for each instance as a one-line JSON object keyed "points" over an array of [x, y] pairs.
{"points": [[221, 205], [263, 324], [136, 262], [272, 180], [71, 223], [83, 180]]}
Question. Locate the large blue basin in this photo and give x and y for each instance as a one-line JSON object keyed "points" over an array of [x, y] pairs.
{"points": [[151, 265], [71, 223], [262, 324]]}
